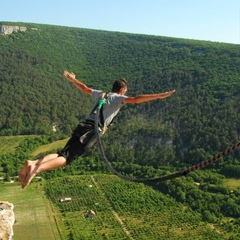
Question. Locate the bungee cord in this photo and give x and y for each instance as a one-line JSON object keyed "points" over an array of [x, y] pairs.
{"points": [[184, 172]]}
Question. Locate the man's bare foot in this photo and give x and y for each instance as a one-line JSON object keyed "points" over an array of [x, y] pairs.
{"points": [[32, 171], [22, 174]]}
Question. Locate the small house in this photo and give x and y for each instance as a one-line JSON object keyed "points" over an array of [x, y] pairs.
{"points": [[90, 214]]}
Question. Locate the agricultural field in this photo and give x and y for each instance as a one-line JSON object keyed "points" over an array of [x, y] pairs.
{"points": [[56, 209], [124, 210], [232, 183], [33, 213], [8, 144]]}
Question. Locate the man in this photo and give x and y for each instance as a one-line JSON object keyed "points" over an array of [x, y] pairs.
{"points": [[84, 136]]}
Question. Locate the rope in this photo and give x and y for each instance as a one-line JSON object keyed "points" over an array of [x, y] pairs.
{"points": [[212, 159], [185, 172]]}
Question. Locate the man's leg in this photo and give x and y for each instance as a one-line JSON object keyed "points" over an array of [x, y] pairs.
{"points": [[72, 150], [31, 168], [24, 170]]}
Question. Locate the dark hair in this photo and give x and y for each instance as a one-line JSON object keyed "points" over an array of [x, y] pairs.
{"points": [[118, 84]]}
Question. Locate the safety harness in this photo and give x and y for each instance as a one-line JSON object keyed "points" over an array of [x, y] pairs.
{"points": [[102, 101], [99, 106]]}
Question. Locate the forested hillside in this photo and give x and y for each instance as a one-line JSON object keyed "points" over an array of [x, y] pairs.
{"points": [[149, 140], [202, 118]]}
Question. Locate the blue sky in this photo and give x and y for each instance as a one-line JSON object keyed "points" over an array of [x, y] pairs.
{"points": [[210, 20]]}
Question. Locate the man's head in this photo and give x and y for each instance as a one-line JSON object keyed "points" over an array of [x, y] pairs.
{"points": [[120, 86]]}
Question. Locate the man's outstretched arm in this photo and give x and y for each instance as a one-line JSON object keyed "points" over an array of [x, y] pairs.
{"points": [[147, 97], [81, 86]]}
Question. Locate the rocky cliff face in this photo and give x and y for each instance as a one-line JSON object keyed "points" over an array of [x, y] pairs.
{"points": [[7, 220], [5, 29]]}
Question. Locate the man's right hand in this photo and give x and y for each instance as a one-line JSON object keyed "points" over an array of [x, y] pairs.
{"points": [[69, 76]]}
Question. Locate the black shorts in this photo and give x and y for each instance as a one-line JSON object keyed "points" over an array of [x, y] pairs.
{"points": [[83, 138]]}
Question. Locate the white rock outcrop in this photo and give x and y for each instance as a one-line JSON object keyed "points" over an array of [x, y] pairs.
{"points": [[7, 219], [5, 29]]}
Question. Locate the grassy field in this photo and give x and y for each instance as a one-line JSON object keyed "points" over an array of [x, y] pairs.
{"points": [[232, 183], [33, 214], [50, 147], [8, 144]]}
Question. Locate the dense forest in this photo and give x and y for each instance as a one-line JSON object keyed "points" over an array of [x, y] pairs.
{"points": [[198, 121]]}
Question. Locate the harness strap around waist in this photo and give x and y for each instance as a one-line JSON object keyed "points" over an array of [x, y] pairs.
{"points": [[98, 105]]}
